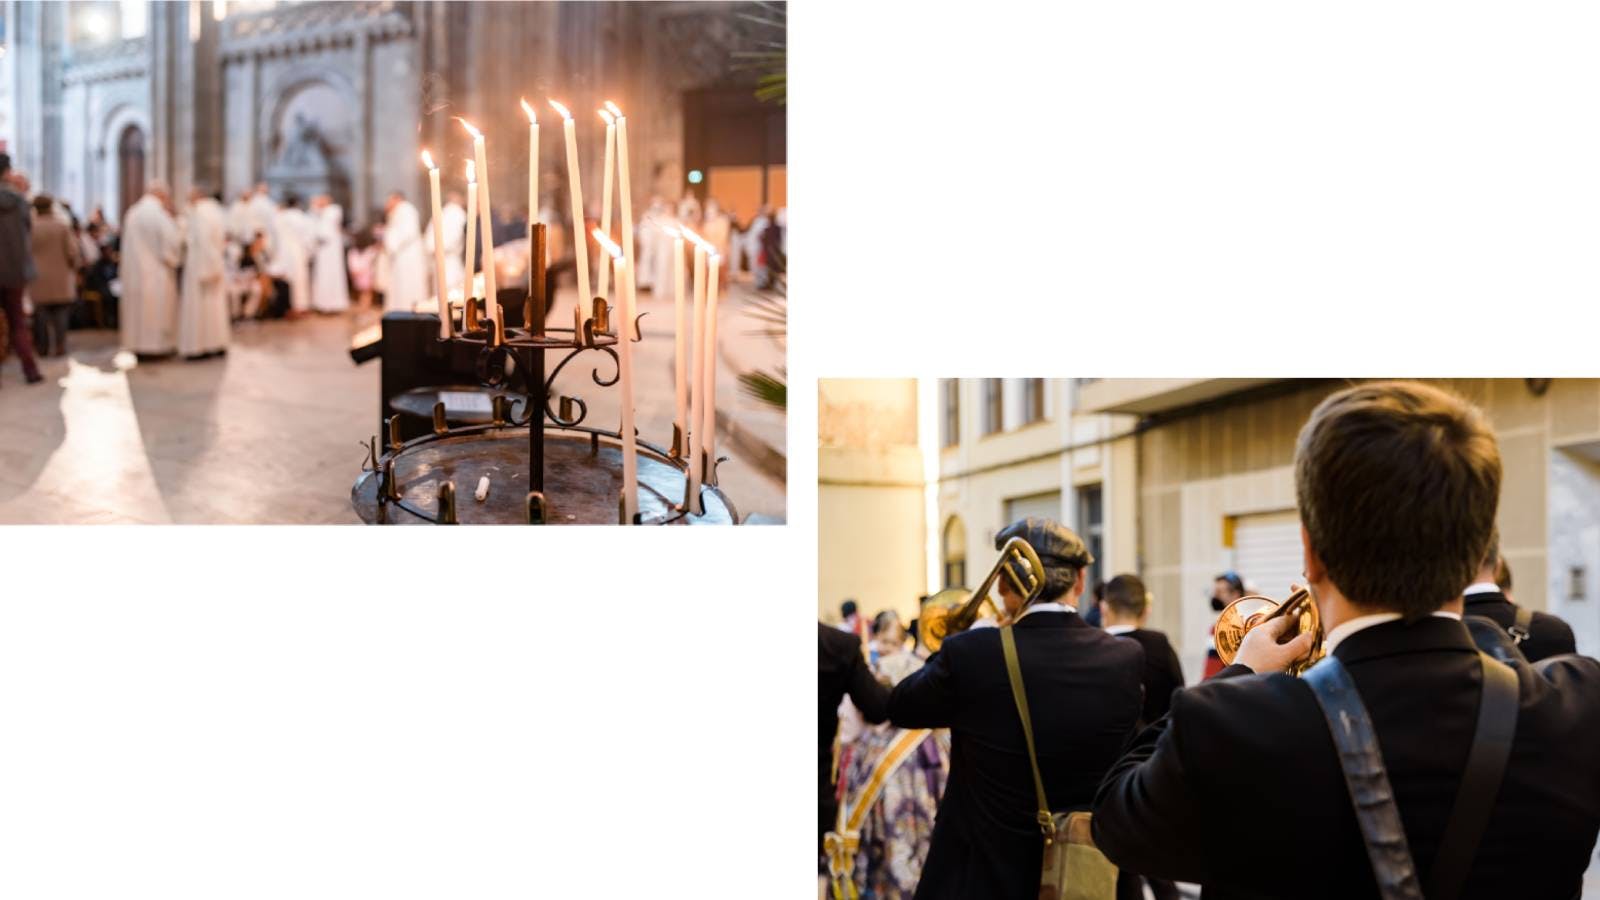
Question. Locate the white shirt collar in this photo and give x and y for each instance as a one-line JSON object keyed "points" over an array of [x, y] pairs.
{"points": [[1045, 607], [1120, 629], [1360, 623], [1481, 587]]}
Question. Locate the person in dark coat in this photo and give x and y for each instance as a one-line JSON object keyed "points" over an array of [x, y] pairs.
{"points": [[841, 671], [1546, 635], [1125, 605], [1240, 787], [16, 264], [1083, 693]]}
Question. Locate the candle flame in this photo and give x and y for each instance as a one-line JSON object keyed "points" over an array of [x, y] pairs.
{"points": [[428, 160], [696, 239], [607, 243], [472, 172], [532, 119], [561, 109], [468, 125], [614, 110], [607, 116]]}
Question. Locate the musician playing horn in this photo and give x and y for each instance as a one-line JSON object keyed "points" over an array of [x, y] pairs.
{"points": [[1242, 787], [1083, 690]]}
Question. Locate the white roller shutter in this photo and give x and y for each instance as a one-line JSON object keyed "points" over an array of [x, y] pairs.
{"points": [[1267, 552]]}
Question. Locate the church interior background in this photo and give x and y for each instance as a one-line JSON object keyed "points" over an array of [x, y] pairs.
{"points": [[101, 94], [100, 97]]}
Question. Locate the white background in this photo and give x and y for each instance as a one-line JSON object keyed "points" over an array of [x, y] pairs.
{"points": [[979, 189]]}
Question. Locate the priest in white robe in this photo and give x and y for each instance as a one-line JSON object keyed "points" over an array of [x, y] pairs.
{"points": [[406, 273], [152, 248], [453, 225], [330, 285], [291, 260], [265, 214], [241, 220], [203, 327]]}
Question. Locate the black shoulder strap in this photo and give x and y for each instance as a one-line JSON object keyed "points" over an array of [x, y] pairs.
{"points": [[1480, 782], [1521, 626], [1366, 779]]}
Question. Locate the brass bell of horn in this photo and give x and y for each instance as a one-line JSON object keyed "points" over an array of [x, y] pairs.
{"points": [[1251, 611]]}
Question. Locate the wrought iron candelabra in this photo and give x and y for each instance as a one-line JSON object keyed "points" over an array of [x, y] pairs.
{"points": [[542, 464]]}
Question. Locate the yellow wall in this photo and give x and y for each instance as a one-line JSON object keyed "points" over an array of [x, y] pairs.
{"points": [[870, 503]]}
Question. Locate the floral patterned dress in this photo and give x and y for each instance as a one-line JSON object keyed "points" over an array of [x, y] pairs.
{"points": [[898, 829]]}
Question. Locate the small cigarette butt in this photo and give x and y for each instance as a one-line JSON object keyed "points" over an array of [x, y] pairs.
{"points": [[482, 493]]}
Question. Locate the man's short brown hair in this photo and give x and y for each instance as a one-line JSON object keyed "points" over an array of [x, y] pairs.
{"points": [[1397, 484], [1126, 595]]}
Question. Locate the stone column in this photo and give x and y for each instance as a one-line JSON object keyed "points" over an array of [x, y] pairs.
{"points": [[361, 190]]}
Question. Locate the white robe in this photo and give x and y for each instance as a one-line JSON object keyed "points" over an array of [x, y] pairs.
{"points": [[453, 221], [152, 247], [292, 259], [264, 213], [330, 286], [405, 277], [203, 314], [241, 222]]}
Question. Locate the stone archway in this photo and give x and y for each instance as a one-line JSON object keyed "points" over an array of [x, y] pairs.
{"points": [[310, 135], [130, 168], [125, 130]]}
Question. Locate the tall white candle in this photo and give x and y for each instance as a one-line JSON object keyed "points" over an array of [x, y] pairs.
{"points": [[533, 187], [697, 361], [630, 451], [605, 202], [680, 338], [708, 410], [580, 244], [470, 289], [486, 223], [446, 327], [626, 191]]}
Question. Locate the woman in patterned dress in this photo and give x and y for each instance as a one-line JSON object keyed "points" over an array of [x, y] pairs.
{"points": [[899, 826]]}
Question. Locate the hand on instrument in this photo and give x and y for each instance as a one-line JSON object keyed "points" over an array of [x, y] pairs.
{"points": [[1262, 653]]}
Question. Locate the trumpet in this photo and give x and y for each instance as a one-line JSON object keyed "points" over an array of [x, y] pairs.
{"points": [[947, 613], [1249, 612]]}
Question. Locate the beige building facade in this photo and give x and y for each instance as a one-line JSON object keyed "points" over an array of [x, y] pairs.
{"points": [[1016, 447], [1215, 490]]}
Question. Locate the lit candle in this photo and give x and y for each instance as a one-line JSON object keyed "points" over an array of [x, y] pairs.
{"points": [[470, 294], [533, 189], [580, 245], [696, 363], [486, 225], [679, 338], [605, 201], [630, 461], [626, 191], [446, 327], [708, 410]]}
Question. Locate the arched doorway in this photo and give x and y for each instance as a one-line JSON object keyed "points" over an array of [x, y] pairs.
{"points": [[130, 168], [955, 553]]}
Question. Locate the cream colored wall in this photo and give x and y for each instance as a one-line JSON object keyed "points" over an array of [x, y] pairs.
{"points": [[1236, 460], [870, 503]]}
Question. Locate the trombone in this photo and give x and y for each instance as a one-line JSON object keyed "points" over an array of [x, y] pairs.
{"points": [[947, 613], [1252, 611]]}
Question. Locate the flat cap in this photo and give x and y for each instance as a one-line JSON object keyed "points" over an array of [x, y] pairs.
{"points": [[1056, 544]]}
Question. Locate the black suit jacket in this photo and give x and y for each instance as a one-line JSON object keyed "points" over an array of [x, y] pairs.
{"points": [[1213, 792], [1163, 674], [1547, 634], [841, 669], [1083, 699]]}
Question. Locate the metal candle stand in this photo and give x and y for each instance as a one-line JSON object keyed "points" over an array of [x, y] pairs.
{"points": [[514, 359]]}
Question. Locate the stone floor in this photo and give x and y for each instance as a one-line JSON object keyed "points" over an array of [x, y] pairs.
{"points": [[274, 432]]}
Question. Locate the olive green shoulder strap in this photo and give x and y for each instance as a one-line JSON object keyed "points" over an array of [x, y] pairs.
{"points": [[1008, 643]]}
